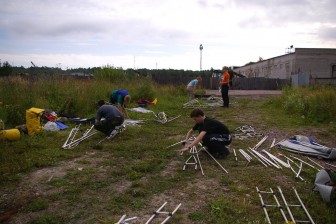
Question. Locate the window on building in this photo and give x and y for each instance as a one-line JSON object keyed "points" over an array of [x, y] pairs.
{"points": [[280, 66]]}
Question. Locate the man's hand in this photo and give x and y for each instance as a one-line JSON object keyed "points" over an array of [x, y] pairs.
{"points": [[186, 148]]}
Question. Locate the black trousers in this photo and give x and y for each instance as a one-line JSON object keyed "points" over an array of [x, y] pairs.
{"points": [[107, 126], [216, 144], [225, 95]]}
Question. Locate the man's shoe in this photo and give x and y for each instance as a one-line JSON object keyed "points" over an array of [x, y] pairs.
{"points": [[113, 133]]}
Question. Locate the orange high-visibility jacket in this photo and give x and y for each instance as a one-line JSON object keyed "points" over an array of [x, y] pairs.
{"points": [[226, 78]]}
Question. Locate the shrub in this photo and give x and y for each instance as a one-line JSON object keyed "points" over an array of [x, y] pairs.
{"points": [[317, 103]]}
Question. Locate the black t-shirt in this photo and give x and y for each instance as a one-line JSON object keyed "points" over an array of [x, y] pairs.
{"points": [[109, 112], [212, 126]]}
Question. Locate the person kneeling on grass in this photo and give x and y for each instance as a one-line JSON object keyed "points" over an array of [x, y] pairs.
{"points": [[108, 117], [213, 134]]}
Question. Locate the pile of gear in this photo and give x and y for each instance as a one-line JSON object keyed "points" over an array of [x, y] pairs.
{"points": [[245, 132]]}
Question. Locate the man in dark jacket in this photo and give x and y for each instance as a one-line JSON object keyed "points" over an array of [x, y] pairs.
{"points": [[212, 133], [108, 117]]}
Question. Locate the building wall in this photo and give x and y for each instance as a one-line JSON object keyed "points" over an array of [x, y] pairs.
{"points": [[319, 63]]}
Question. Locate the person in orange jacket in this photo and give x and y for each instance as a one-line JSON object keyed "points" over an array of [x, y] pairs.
{"points": [[225, 82]]}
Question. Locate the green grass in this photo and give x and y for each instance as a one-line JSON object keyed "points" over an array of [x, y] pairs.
{"points": [[134, 173]]}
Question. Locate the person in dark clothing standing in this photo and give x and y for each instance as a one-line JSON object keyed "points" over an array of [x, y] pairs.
{"points": [[212, 133], [225, 87], [108, 117]]}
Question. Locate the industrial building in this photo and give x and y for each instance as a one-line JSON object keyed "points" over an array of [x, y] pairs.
{"points": [[303, 67]]}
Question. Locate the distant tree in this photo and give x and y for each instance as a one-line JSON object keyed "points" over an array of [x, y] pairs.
{"points": [[5, 69], [250, 63]]}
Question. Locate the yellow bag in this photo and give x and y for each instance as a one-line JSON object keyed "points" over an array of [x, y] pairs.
{"points": [[11, 134], [33, 121]]}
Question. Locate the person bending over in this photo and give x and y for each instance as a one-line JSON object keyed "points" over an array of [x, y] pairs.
{"points": [[191, 87], [212, 133], [108, 117], [119, 98]]}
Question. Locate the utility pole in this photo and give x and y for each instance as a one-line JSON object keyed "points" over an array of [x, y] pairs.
{"points": [[201, 48]]}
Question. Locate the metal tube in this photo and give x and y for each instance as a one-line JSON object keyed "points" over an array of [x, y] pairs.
{"points": [[257, 158], [247, 157], [66, 142], [248, 160], [199, 161], [304, 162], [286, 204], [260, 143], [171, 214], [215, 160], [74, 143], [263, 206], [77, 141], [76, 129], [303, 206], [279, 207], [273, 144], [196, 162], [315, 162], [265, 159], [152, 217], [330, 165], [234, 152], [122, 220], [174, 118], [299, 171], [277, 159]]}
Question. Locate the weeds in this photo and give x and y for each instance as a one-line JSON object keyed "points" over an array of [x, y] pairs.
{"points": [[317, 103], [134, 172]]}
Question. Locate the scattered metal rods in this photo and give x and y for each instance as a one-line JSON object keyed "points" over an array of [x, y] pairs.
{"points": [[196, 104], [72, 141], [124, 220], [196, 161], [160, 212], [280, 207]]}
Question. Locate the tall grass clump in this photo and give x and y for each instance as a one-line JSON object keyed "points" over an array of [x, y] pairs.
{"points": [[73, 97], [317, 103]]}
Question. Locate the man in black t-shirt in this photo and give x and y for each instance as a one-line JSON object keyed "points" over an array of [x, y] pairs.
{"points": [[213, 134], [112, 118]]}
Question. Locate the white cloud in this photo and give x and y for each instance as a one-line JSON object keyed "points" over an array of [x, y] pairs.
{"points": [[87, 33]]}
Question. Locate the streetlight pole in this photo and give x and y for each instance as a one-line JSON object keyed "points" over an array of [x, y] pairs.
{"points": [[201, 48]]}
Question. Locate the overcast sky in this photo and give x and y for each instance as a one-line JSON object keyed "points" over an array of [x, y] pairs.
{"points": [[160, 34]]}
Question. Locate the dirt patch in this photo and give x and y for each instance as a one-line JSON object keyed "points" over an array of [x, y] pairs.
{"points": [[194, 196], [35, 184], [171, 168]]}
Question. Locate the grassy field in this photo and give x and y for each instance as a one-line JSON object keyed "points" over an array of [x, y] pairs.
{"points": [[135, 173]]}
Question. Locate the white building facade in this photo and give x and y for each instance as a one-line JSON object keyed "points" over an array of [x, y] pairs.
{"points": [[318, 63]]}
